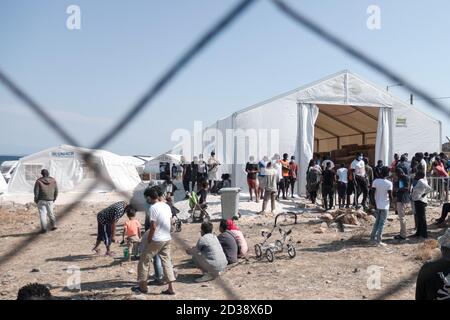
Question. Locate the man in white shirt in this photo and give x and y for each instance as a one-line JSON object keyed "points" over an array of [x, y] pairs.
{"points": [[419, 192], [358, 167], [342, 174], [383, 196], [159, 239]]}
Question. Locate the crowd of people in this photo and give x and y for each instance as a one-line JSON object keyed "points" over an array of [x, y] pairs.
{"points": [[401, 184]]}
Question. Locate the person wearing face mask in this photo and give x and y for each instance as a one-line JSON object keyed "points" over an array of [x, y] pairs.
{"points": [[358, 168], [262, 176], [252, 169], [277, 166]]}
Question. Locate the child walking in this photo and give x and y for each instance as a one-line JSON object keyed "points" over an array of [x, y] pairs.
{"points": [[132, 232]]}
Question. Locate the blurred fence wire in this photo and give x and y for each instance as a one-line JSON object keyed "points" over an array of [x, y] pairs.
{"points": [[166, 78]]}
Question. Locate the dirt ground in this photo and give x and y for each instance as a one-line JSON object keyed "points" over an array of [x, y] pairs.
{"points": [[329, 264]]}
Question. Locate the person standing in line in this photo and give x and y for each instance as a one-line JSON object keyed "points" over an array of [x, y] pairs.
{"points": [[326, 160], [284, 183], [202, 172], [45, 194], [174, 171], [313, 178], [186, 177], [419, 196], [252, 171], [213, 168], [293, 172], [328, 179], [262, 176], [342, 175], [383, 196], [276, 164], [194, 172], [360, 179], [403, 199], [271, 188], [377, 170], [370, 178]]}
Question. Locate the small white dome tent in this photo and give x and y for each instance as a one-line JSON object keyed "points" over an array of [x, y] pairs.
{"points": [[153, 167], [66, 164], [341, 109], [3, 185]]}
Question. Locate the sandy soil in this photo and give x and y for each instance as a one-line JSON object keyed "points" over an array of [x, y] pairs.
{"points": [[328, 265]]}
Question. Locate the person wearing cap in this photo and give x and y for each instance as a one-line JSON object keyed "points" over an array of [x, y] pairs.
{"points": [[45, 194], [433, 280]]}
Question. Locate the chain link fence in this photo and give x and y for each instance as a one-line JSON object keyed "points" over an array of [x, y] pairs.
{"points": [[165, 79]]}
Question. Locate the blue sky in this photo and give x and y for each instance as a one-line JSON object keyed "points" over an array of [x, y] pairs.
{"points": [[88, 78]]}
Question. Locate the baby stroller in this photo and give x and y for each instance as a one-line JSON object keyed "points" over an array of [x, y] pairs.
{"points": [[198, 211]]}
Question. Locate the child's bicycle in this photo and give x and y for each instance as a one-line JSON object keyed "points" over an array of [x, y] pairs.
{"points": [[198, 211]]}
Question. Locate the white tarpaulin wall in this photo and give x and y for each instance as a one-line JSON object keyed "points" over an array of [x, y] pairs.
{"points": [[65, 163], [3, 185], [285, 124]]}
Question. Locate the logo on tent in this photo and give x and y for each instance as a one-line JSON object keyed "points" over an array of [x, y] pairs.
{"points": [[401, 122], [68, 154]]}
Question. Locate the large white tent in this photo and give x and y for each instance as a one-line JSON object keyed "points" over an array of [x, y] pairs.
{"points": [[3, 185], [66, 164], [340, 109], [137, 162]]}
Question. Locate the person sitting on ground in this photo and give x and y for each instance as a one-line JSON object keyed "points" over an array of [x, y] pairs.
{"points": [[132, 232], [45, 194], [383, 197], [239, 236], [445, 211], [433, 280], [208, 254], [106, 224], [228, 243], [34, 291]]}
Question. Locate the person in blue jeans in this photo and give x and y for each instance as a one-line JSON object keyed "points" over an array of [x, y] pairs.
{"points": [[383, 197], [157, 264]]}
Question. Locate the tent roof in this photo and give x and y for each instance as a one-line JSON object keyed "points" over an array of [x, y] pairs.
{"points": [[134, 160], [377, 90], [167, 156], [98, 153]]}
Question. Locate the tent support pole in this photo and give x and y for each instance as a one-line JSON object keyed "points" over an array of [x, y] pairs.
{"points": [[338, 142]]}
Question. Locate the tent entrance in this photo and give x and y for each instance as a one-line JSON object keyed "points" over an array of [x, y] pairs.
{"points": [[341, 131]]}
